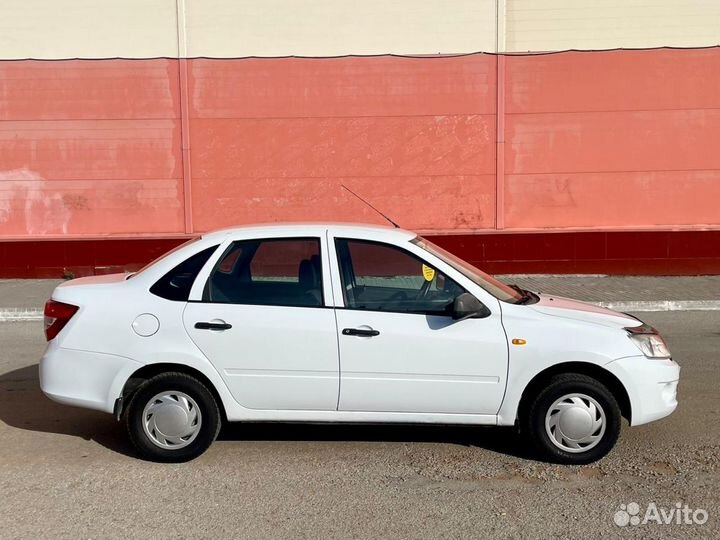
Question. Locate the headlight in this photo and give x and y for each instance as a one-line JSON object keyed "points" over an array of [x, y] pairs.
{"points": [[648, 341]]}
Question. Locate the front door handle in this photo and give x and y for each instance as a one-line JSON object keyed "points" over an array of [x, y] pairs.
{"points": [[360, 332], [212, 326]]}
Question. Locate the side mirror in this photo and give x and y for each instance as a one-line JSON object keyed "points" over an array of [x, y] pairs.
{"points": [[466, 306]]}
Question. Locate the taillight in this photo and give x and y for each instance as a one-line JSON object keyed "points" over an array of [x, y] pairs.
{"points": [[57, 316]]}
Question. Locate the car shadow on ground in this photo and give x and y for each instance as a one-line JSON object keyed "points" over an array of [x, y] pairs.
{"points": [[24, 406]]}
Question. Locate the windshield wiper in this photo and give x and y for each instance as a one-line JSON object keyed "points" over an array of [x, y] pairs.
{"points": [[525, 296]]}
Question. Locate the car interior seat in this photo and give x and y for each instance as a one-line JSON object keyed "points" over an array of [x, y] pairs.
{"points": [[309, 280]]}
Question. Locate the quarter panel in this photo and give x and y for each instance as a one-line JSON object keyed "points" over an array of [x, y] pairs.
{"points": [[103, 325]]}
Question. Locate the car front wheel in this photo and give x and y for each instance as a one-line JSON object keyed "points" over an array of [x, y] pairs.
{"points": [[172, 417], [574, 420]]}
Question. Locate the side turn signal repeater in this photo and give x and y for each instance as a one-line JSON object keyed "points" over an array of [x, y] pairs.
{"points": [[517, 341]]}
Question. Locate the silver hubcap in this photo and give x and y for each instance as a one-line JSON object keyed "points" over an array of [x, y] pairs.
{"points": [[172, 420], [575, 423]]}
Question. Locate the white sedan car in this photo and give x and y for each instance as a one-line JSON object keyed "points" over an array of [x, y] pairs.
{"points": [[345, 323]]}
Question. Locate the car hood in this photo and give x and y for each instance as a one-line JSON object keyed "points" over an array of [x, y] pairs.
{"points": [[567, 308]]}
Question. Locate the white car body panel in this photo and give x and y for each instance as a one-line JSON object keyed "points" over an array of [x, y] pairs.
{"points": [[297, 366], [651, 385], [422, 364], [419, 363], [560, 335], [259, 358]]}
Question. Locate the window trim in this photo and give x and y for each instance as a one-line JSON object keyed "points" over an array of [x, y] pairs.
{"points": [[232, 242], [343, 288]]}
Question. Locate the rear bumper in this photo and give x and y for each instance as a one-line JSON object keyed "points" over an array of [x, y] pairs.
{"points": [[651, 386], [84, 379]]}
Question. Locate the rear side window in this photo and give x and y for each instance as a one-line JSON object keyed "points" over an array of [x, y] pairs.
{"points": [[176, 284], [272, 272]]}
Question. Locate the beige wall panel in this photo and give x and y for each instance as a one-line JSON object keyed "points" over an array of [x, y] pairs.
{"points": [[232, 28], [555, 25], [53, 29]]}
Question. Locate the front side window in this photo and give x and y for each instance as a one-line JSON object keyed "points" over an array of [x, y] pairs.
{"points": [[271, 272], [381, 277]]}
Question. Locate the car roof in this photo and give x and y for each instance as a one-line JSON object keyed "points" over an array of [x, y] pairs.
{"points": [[315, 228]]}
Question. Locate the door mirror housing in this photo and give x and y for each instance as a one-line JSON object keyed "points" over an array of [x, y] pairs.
{"points": [[466, 306]]}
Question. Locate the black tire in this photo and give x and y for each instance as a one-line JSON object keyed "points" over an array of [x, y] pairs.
{"points": [[172, 382], [532, 420]]}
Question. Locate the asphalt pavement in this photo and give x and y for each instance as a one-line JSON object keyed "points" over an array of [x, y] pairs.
{"points": [[70, 473]]}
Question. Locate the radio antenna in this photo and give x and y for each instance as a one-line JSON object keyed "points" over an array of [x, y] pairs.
{"points": [[370, 205]]}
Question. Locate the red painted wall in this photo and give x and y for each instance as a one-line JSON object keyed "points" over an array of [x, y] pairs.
{"points": [[592, 141], [651, 252], [275, 139], [89, 148], [613, 139]]}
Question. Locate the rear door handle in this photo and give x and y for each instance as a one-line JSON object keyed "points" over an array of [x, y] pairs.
{"points": [[212, 326], [360, 332]]}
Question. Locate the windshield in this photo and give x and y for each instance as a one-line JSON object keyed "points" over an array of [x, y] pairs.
{"points": [[497, 288]]}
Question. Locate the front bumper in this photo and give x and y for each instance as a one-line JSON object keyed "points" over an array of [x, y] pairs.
{"points": [[651, 385], [84, 379]]}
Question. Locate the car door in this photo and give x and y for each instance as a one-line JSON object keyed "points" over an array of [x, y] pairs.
{"points": [[400, 349], [261, 320]]}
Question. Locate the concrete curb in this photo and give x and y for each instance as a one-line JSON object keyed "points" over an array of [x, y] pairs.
{"points": [[663, 305], [33, 314], [20, 314]]}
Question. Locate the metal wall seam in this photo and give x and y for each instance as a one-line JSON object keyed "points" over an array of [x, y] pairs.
{"points": [[500, 9], [184, 116]]}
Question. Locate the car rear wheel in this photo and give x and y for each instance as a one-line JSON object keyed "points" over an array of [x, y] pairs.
{"points": [[574, 420], [172, 417]]}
